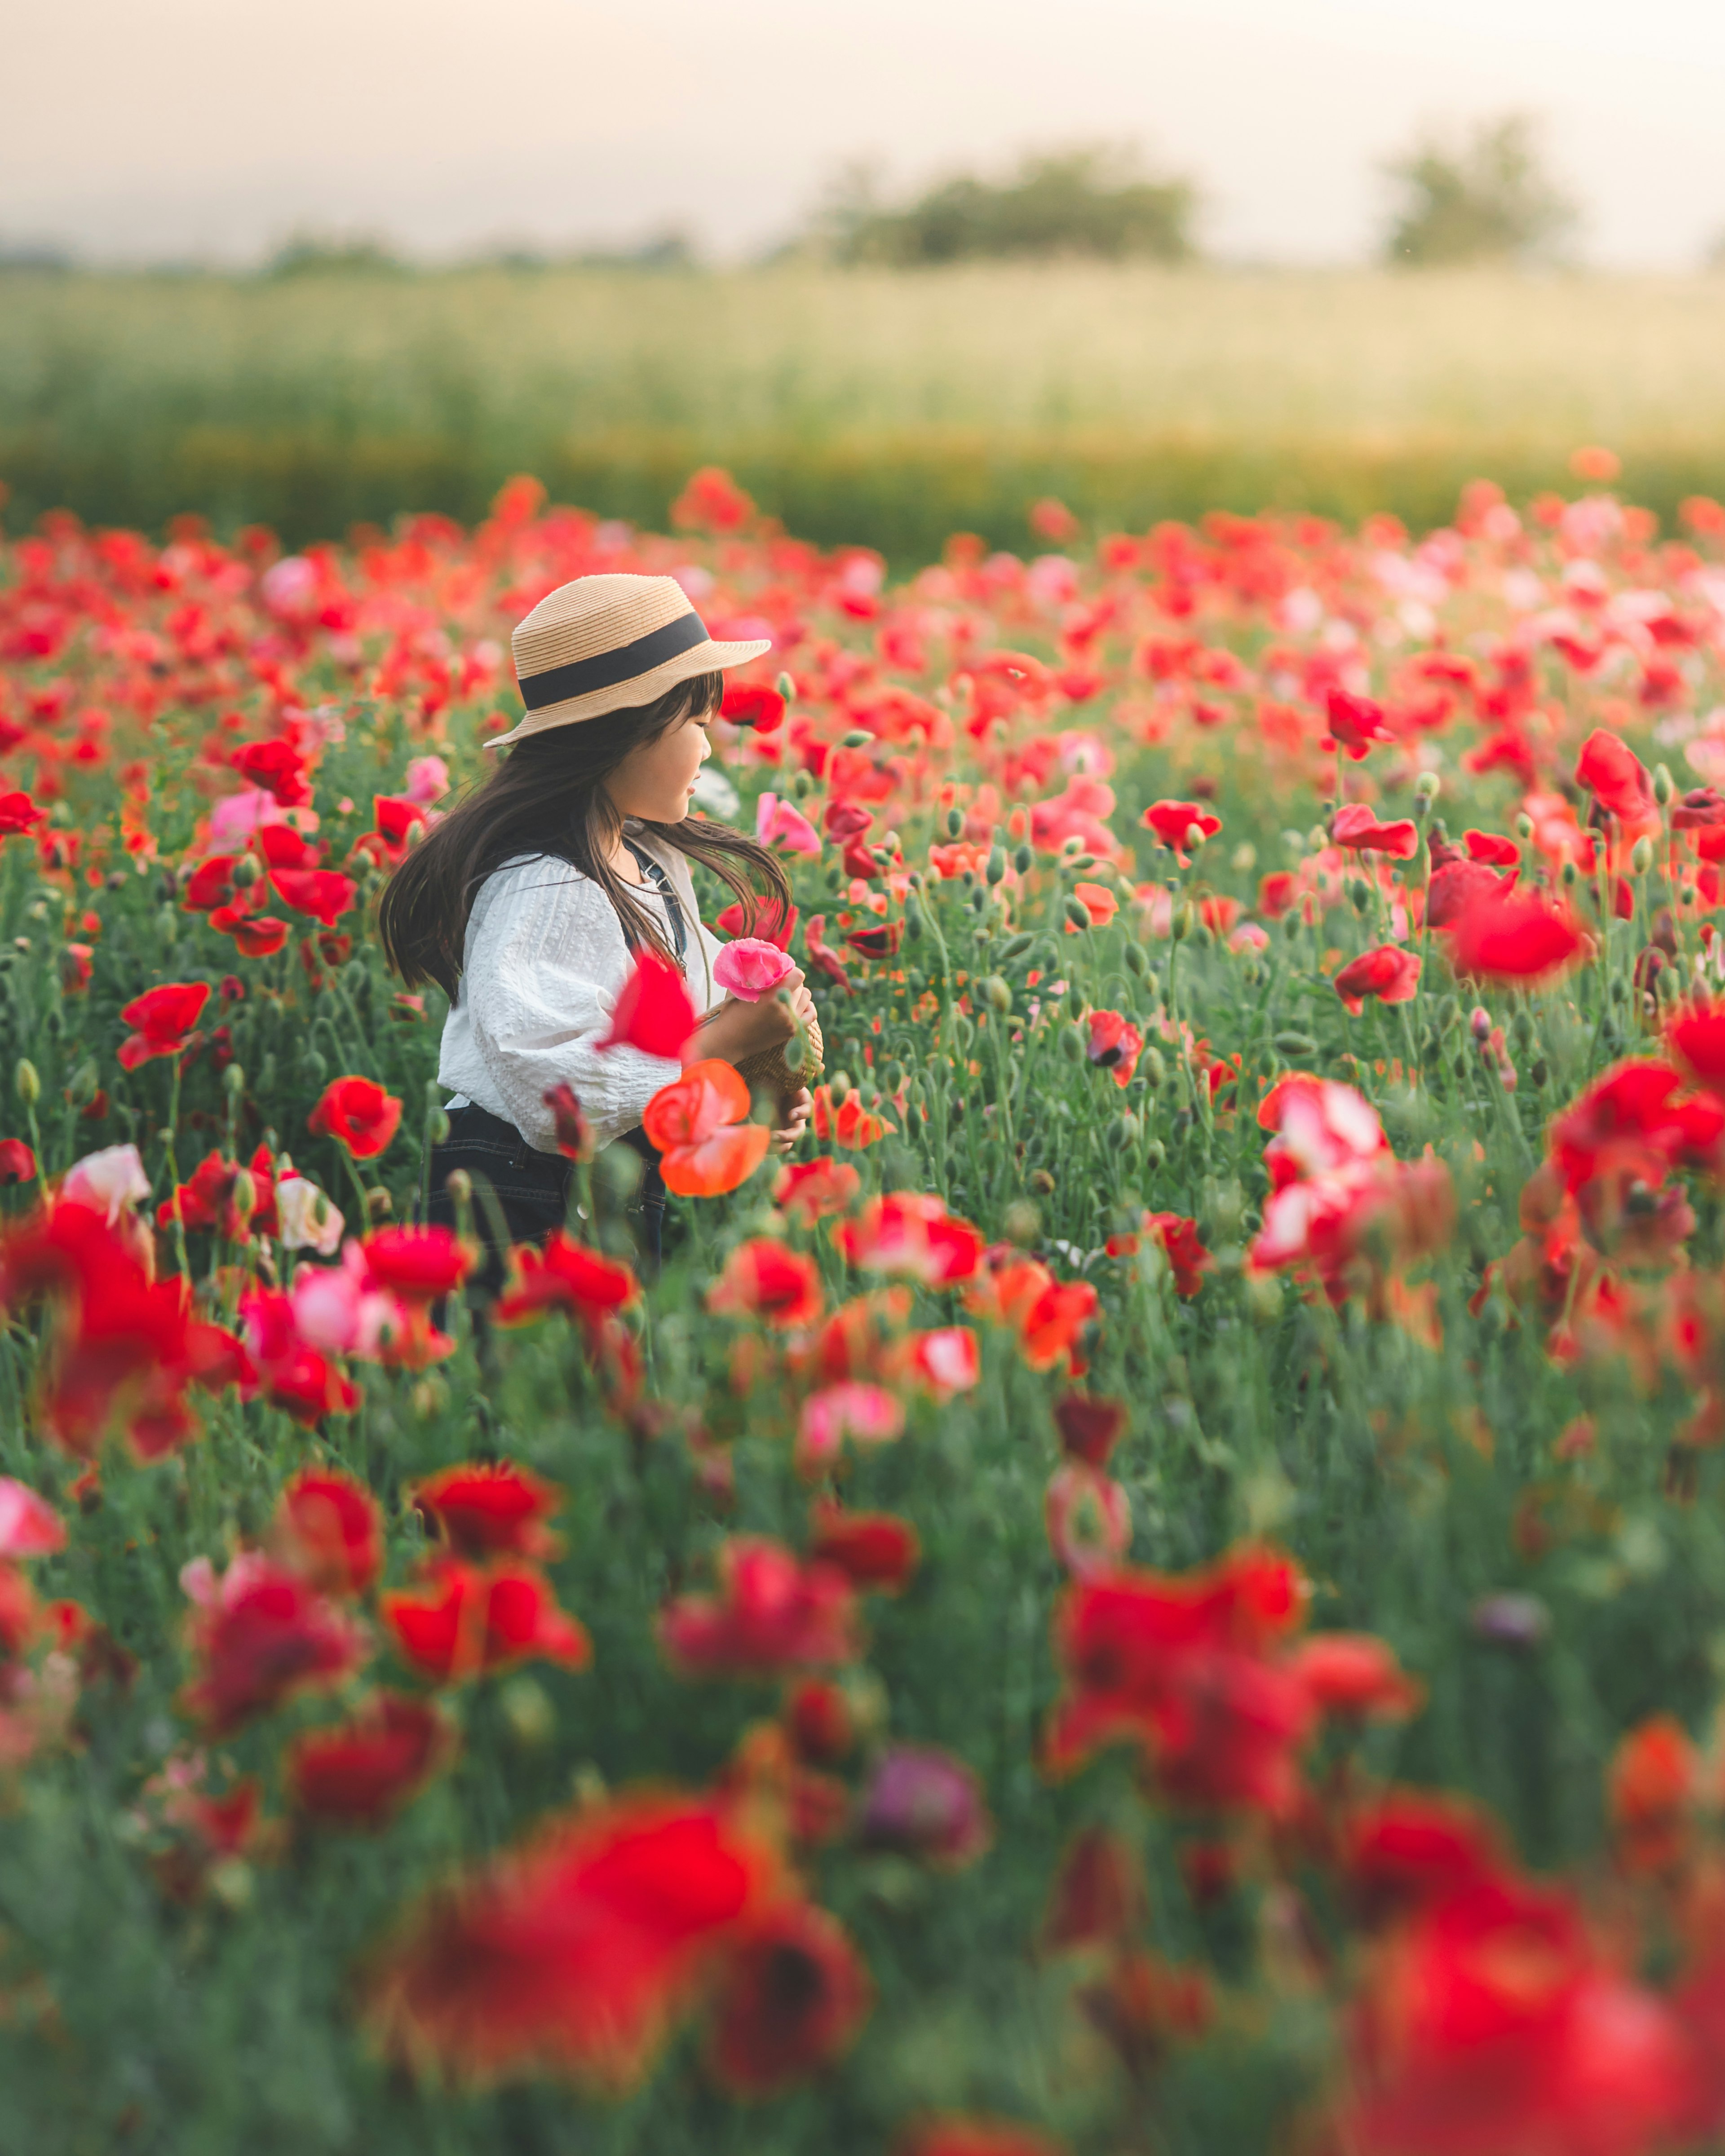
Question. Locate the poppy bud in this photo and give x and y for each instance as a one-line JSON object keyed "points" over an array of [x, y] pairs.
{"points": [[1641, 856], [82, 1091], [1077, 913], [244, 1199], [1016, 946], [1359, 893], [379, 1204], [1521, 1029], [1023, 1222], [1072, 1044], [1022, 861], [955, 823], [1524, 826], [802, 784], [1184, 921], [1571, 875], [1136, 962], [1426, 788], [1297, 1047], [1664, 787], [857, 738], [1316, 838], [1153, 1069], [916, 921], [997, 995], [839, 1086], [437, 1124], [27, 1082], [244, 873], [233, 1078], [786, 687], [1446, 1014], [460, 1185], [996, 870]]}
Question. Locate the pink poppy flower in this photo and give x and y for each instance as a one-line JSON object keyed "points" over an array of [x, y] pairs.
{"points": [[751, 968]]}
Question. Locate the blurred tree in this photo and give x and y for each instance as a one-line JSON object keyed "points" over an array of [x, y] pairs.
{"points": [[1095, 200], [1483, 199], [325, 254]]}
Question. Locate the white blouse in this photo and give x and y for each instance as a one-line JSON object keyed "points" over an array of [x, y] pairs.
{"points": [[543, 964]]}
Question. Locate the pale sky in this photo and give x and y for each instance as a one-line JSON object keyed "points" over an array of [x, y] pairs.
{"points": [[152, 129]]}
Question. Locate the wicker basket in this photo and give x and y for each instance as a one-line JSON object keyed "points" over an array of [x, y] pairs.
{"points": [[769, 1068]]}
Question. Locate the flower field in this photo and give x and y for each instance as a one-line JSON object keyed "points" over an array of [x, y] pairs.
{"points": [[1160, 1584]]}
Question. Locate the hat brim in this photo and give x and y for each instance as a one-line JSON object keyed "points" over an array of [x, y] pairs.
{"points": [[709, 658]]}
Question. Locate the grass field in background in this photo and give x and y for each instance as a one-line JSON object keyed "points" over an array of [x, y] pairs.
{"points": [[874, 406]]}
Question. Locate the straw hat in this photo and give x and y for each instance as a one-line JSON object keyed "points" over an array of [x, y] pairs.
{"points": [[606, 643]]}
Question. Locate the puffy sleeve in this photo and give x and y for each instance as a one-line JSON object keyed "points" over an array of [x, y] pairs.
{"points": [[545, 961]]}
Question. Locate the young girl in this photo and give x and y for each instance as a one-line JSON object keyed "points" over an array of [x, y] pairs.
{"points": [[528, 902]]}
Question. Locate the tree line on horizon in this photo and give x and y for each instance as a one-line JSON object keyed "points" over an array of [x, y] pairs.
{"points": [[1483, 196]]}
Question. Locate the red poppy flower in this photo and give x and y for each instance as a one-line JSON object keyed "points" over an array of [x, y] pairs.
{"points": [[329, 1528], [752, 704], [326, 894], [1389, 972], [699, 1123], [19, 814], [283, 848], [492, 1510], [18, 1163], [363, 1772], [161, 1019], [1695, 1033], [574, 1133], [880, 941], [463, 1622], [1518, 937], [564, 1275], [394, 816], [793, 1994], [1173, 821], [811, 1190], [1047, 1315], [1278, 893], [911, 1234], [278, 767], [769, 920], [1188, 1668], [30, 1526], [358, 1114], [1351, 1676], [261, 1635], [419, 1264], [1496, 852], [653, 1012], [255, 936], [210, 885], [1356, 724], [1455, 886], [1654, 1788], [852, 1125], [1615, 777], [1098, 1898], [577, 1953], [1182, 1246], [772, 1613], [1091, 1426], [1356, 827], [872, 1549], [768, 1280]]}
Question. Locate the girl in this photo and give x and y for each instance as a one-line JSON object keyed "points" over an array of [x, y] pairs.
{"points": [[528, 901]]}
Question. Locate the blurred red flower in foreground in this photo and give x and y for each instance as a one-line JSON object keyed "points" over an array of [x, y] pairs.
{"points": [[361, 1773], [954, 2136], [564, 1275], [811, 1190], [464, 1621], [792, 1995], [772, 1613], [161, 1019], [260, 1634], [577, 1953], [769, 1280], [653, 1012], [911, 1233], [490, 1509], [1520, 939], [850, 1124], [330, 1527], [1356, 724], [358, 1114], [699, 1124]]}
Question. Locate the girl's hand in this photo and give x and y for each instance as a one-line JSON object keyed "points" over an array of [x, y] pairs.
{"points": [[737, 1029], [797, 1113]]}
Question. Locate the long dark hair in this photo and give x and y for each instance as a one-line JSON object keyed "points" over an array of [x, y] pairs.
{"points": [[549, 797]]}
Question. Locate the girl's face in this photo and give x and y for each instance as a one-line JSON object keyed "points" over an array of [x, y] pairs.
{"points": [[654, 782]]}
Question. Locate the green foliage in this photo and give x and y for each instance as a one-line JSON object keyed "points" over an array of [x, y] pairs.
{"points": [[1487, 198], [1091, 200]]}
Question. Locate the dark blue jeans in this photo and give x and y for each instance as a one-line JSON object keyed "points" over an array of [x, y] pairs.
{"points": [[531, 1189]]}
